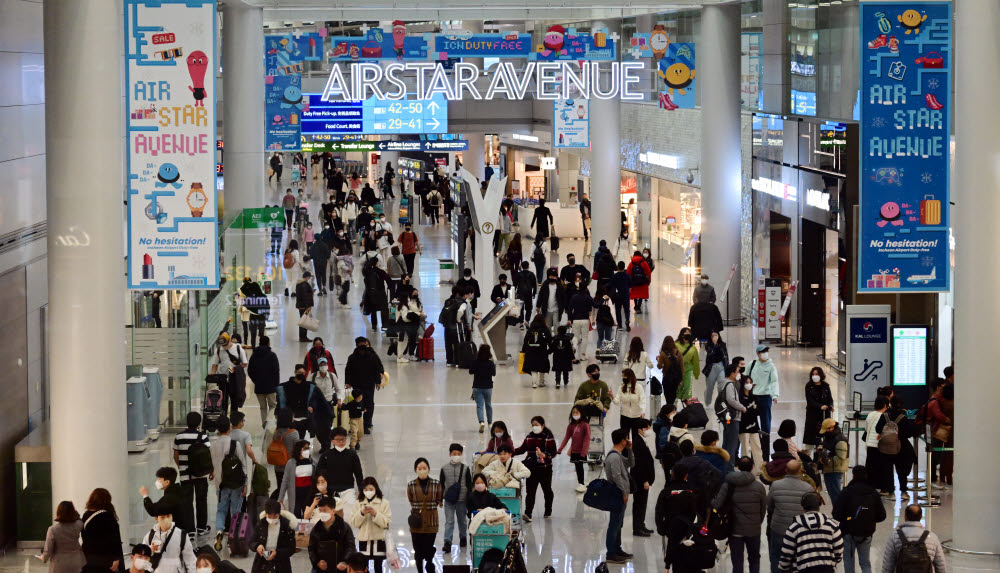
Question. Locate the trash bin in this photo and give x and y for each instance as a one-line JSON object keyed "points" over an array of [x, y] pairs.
{"points": [[151, 413], [136, 396], [448, 270]]}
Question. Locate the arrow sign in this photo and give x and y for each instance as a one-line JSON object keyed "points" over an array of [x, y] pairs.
{"points": [[434, 124], [433, 106]]}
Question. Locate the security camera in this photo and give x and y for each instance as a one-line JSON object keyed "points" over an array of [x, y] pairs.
{"points": [[690, 177]]}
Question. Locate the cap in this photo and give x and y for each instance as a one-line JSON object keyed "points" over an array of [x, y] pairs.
{"points": [[704, 276], [224, 337], [321, 361], [762, 348], [828, 425]]}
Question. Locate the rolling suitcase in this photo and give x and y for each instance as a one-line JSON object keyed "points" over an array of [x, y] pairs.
{"points": [[240, 533], [609, 350], [425, 348], [465, 352]]}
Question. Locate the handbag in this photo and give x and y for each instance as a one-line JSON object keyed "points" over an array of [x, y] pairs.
{"points": [[943, 433], [655, 388], [309, 322], [415, 520]]}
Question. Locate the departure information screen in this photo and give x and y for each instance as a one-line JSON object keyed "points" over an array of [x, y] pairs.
{"points": [[909, 355], [375, 117]]}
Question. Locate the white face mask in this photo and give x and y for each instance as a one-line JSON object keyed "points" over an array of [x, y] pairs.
{"points": [[165, 522], [204, 570], [158, 484], [340, 448], [480, 487], [369, 494], [748, 386], [273, 520], [576, 416], [306, 454], [324, 369], [498, 434], [323, 516], [704, 281], [815, 378], [143, 564], [763, 356], [422, 474], [456, 459], [536, 429], [321, 487]]}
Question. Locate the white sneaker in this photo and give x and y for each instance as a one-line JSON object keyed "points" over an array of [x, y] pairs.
{"points": [[402, 359], [534, 384], [581, 488], [482, 427]]}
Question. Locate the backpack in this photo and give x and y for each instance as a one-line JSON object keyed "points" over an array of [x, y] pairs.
{"points": [[671, 451], [605, 267], [277, 453], [233, 474], [604, 315], [199, 458], [912, 556], [720, 521], [538, 257], [721, 406], [888, 442], [449, 312], [155, 558], [699, 554], [673, 375], [260, 483], [863, 520], [639, 276], [287, 261]]}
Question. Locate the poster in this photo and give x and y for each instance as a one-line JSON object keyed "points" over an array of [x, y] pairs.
{"points": [[868, 348], [170, 125], [906, 61], [283, 100], [465, 44], [751, 66], [571, 123], [560, 43], [677, 71], [378, 44]]}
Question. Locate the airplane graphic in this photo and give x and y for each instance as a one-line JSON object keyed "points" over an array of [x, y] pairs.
{"points": [[923, 279]]}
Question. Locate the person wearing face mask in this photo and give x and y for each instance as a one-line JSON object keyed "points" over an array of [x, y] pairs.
{"points": [[551, 298], [703, 292], [302, 398], [499, 438], [732, 411], [536, 351], [540, 447], [209, 562], [345, 269], [331, 539], [593, 396], [396, 269], [481, 497], [176, 500], [580, 310], [230, 473], [230, 359], [327, 383], [409, 246], [749, 419], [340, 465], [171, 550], [371, 518], [320, 253], [274, 540], [141, 554], [716, 360], [691, 363], [297, 481], [320, 490], [501, 290], [578, 430], [304, 301], [456, 481], [640, 274], [316, 351], [567, 275], [633, 401], [643, 474], [505, 471], [819, 406], [765, 381], [425, 495]]}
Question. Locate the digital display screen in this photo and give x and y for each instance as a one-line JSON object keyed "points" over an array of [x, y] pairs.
{"points": [[375, 117], [909, 355]]}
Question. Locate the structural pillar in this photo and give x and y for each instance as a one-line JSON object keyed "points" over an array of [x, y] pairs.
{"points": [[605, 171], [243, 109], [474, 158], [721, 168], [976, 191], [83, 129]]}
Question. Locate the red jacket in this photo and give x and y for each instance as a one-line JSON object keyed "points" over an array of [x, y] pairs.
{"points": [[580, 433], [311, 359], [639, 291]]}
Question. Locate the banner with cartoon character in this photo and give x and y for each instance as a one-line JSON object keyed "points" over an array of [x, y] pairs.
{"points": [[283, 101], [378, 44], [906, 62], [567, 44], [170, 125]]}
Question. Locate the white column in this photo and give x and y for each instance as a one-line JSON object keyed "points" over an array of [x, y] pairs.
{"points": [[473, 158], [976, 191], [605, 172], [243, 108], [719, 75], [83, 129]]}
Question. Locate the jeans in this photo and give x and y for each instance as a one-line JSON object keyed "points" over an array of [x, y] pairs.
{"points": [[540, 475], [455, 512], [863, 545], [230, 501], [200, 488], [623, 308], [581, 331], [834, 484], [774, 549], [764, 407], [731, 442], [716, 374], [604, 332], [737, 544], [484, 400], [613, 540], [268, 403]]}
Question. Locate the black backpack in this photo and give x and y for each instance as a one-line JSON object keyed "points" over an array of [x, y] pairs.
{"points": [[604, 315], [233, 474], [199, 458], [538, 257], [721, 406], [700, 554], [671, 452], [720, 520], [863, 521], [605, 267], [639, 276], [449, 312], [912, 556]]}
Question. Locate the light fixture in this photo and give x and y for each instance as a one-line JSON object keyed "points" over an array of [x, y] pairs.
{"points": [[524, 137], [663, 160]]}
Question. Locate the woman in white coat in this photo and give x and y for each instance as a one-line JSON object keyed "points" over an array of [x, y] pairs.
{"points": [[292, 273], [632, 399], [637, 360], [371, 519]]}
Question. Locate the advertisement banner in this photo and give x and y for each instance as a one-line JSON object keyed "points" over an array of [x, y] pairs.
{"points": [[677, 72], [465, 44], [560, 43], [571, 123], [867, 348], [262, 218], [906, 62], [378, 44], [170, 102], [312, 46], [283, 100]]}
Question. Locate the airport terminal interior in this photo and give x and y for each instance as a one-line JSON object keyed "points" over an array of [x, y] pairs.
{"points": [[713, 244]]}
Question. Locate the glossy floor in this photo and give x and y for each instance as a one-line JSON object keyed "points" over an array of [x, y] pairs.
{"points": [[426, 406]]}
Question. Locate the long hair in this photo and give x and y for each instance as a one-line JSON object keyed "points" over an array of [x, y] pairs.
{"points": [[100, 499], [369, 481], [629, 381], [635, 349], [669, 348], [515, 244]]}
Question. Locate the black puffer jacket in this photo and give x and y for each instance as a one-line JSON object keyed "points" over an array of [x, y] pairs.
{"points": [[749, 502]]}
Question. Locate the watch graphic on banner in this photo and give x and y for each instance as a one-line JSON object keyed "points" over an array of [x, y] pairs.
{"points": [[658, 41], [196, 200]]}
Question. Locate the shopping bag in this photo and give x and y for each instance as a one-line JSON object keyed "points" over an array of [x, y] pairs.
{"points": [[520, 363], [391, 554], [309, 322]]}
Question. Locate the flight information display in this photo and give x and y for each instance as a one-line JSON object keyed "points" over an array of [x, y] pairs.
{"points": [[909, 355], [375, 117]]}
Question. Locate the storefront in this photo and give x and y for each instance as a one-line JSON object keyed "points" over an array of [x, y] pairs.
{"points": [[801, 177], [677, 211]]}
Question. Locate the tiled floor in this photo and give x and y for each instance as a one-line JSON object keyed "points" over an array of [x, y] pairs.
{"points": [[426, 407]]}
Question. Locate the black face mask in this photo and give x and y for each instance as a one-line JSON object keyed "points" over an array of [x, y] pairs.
{"points": [[743, 369], [300, 377], [571, 261], [595, 375]]}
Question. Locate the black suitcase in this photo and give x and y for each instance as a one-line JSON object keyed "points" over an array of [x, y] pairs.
{"points": [[554, 243]]}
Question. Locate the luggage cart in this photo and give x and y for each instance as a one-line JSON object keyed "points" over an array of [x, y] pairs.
{"points": [[483, 542], [511, 498], [595, 455]]}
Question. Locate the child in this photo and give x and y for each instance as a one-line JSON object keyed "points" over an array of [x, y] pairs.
{"points": [[456, 481], [562, 355], [355, 410], [308, 236], [710, 451], [505, 471], [578, 431]]}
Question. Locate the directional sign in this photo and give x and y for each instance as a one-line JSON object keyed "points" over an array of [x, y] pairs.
{"points": [[375, 117], [369, 146]]}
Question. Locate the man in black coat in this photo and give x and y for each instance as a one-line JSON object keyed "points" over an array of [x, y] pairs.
{"points": [[501, 290], [365, 372], [332, 539], [544, 218], [304, 301], [376, 293], [643, 475], [177, 499], [265, 372], [320, 253], [702, 476], [568, 273], [340, 465], [704, 319], [470, 285], [585, 214], [858, 509], [546, 297]]}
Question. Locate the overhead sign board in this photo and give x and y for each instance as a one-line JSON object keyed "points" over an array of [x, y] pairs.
{"points": [[372, 146], [375, 117]]}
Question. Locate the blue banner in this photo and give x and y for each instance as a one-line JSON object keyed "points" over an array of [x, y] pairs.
{"points": [[903, 243], [283, 101], [571, 123], [560, 44], [312, 47], [374, 116], [465, 44], [677, 71], [378, 44]]}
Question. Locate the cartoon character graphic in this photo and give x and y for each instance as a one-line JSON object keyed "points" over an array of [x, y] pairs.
{"points": [[291, 97], [890, 213], [676, 74], [554, 41], [398, 37], [911, 21], [580, 111], [197, 64], [168, 174]]}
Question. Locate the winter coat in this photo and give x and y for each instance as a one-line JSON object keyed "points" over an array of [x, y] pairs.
{"points": [[370, 529], [536, 349], [331, 544], [703, 293], [836, 442], [542, 303], [425, 502], [644, 469], [376, 296], [676, 500], [856, 494], [546, 442], [311, 360], [639, 291], [580, 306], [715, 354], [342, 470], [912, 530], [619, 287], [481, 500], [264, 371], [813, 542], [579, 433], [817, 395], [749, 420], [718, 457], [562, 352], [639, 366], [364, 371], [303, 294], [633, 404], [689, 354], [285, 549], [784, 502], [704, 319], [749, 502], [775, 469], [62, 547]]}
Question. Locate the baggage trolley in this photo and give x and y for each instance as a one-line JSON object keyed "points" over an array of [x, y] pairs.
{"points": [[483, 542], [511, 498], [595, 455]]}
